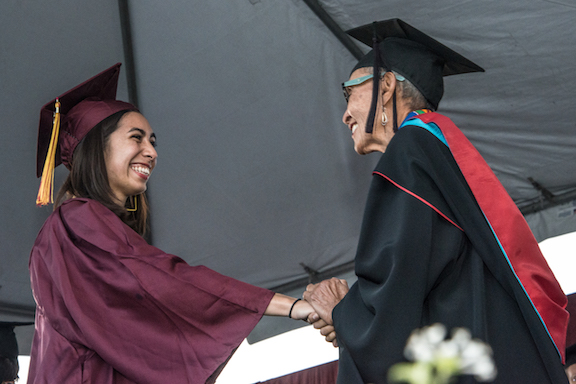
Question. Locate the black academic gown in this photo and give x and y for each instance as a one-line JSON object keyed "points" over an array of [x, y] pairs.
{"points": [[421, 259]]}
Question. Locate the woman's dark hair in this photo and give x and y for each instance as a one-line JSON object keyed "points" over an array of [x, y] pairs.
{"points": [[88, 177]]}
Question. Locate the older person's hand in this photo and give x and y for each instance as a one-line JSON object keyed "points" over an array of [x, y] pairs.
{"points": [[325, 295], [327, 331]]}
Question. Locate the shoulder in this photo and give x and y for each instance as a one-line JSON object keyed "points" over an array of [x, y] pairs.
{"points": [[83, 206], [82, 213], [414, 148], [416, 140], [78, 203]]}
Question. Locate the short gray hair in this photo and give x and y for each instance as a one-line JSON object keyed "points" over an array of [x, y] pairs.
{"points": [[407, 91], [411, 94]]}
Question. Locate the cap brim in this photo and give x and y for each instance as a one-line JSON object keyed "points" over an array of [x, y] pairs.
{"points": [[15, 323]]}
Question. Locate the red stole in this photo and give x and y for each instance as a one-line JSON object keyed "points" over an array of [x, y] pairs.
{"points": [[511, 230]]}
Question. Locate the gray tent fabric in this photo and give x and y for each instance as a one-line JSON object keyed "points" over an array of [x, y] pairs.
{"points": [[257, 177]]}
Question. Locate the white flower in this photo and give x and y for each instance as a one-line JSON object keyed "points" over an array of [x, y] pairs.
{"points": [[476, 359], [447, 350], [461, 336], [423, 343], [459, 355]]}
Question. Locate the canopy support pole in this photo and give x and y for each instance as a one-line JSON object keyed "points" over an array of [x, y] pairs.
{"points": [[128, 51], [334, 28], [314, 277]]}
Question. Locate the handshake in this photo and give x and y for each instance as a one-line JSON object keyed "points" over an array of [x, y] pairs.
{"points": [[318, 302]]}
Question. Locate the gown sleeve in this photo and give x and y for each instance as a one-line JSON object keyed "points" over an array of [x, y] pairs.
{"points": [[148, 314], [407, 240]]}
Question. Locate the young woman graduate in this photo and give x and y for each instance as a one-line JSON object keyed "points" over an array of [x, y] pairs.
{"points": [[110, 307], [441, 241]]}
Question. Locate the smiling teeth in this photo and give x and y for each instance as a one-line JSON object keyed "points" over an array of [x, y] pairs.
{"points": [[142, 170], [354, 127]]}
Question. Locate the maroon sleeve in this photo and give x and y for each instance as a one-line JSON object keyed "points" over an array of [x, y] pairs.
{"points": [[148, 314]]}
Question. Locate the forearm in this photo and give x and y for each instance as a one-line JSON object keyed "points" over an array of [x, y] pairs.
{"points": [[280, 305]]}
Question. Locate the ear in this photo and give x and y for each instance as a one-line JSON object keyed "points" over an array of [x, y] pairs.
{"points": [[388, 85]]}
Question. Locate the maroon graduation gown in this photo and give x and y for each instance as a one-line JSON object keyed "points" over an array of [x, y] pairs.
{"points": [[440, 243], [113, 309]]}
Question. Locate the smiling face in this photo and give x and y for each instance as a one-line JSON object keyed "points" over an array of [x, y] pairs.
{"points": [[356, 116], [130, 156]]}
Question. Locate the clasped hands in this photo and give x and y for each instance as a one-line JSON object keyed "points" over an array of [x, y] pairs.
{"points": [[323, 297]]}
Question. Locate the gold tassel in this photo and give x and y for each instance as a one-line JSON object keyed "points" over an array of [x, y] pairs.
{"points": [[46, 191]]}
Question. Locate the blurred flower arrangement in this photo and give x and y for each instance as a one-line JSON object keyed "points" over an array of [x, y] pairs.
{"points": [[437, 360]]}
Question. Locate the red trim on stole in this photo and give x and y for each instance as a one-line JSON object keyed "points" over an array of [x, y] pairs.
{"points": [[419, 198], [511, 229]]}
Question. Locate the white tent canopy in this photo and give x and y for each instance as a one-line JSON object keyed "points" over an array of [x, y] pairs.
{"points": [[257, 177]]}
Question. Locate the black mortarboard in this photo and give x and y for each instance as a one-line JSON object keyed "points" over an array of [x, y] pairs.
{"points": [[8, 343], [413, 54], [79, 110]]}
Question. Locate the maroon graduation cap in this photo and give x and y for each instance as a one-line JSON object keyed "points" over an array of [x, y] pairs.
{"points": [[65, 121]]}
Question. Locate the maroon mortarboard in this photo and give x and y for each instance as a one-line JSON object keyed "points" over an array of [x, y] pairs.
{"points": [[78, 110]]}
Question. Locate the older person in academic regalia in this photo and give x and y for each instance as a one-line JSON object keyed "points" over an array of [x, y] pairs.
{"points": [[110, 307], [441, 240]]}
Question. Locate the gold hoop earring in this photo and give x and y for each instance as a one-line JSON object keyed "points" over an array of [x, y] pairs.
{"points": [[384, 117], [134, 204]]}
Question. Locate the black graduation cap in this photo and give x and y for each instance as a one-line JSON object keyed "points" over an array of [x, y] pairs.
{"points": [[413, 54], [8, 343]]}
